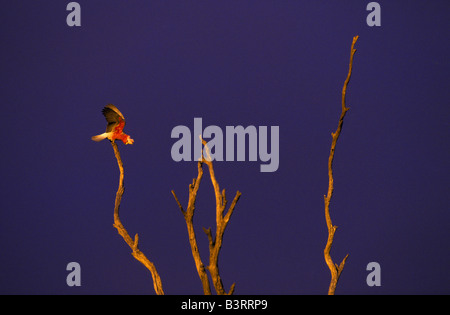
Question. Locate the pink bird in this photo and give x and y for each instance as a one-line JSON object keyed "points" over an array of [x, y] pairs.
{"points": [[114, 128]]}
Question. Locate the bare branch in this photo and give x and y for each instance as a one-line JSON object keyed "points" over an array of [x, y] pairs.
{"points": [[334, 268], [221, 224], [210, 238], [189, 217], [178, 202], [157, 284], [215, 244]]}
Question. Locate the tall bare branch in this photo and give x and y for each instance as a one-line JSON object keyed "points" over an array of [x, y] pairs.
{"points": [[222, 220], [189, 218], [335, 269], [157, 284], [221, 223]]}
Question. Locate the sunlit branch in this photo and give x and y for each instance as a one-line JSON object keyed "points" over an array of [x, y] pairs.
{"points": [[157, 284], [222, 220], [221, 223], [335, 269], [189, 218]]}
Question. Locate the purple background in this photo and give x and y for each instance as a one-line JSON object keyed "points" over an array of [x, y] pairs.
{"points": [[261, 63]]}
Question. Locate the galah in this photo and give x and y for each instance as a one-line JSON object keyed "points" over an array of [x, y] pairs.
{"points": [[114, 128]]}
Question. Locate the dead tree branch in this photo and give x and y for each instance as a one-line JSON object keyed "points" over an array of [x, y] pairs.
{"points": [[157, 284], [221, 223], [222, 220], [335, 269], [189, 218]]}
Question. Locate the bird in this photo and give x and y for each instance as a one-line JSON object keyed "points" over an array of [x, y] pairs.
{"points": [[114, 128]]}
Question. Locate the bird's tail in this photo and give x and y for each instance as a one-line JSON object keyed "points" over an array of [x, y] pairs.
{"points": [[100, 137]]}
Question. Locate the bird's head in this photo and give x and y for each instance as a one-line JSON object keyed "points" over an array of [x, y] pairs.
{"points": [[129, 140]]}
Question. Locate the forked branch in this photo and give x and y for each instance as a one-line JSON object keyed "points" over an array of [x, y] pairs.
{"points": [[215, 243], [157, 284], [335, 269]]}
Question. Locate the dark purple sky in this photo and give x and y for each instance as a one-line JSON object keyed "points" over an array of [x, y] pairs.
{"points": [[261, 63]]}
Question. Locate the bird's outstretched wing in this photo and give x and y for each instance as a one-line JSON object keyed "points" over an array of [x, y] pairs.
{"points": [[113, 116]]}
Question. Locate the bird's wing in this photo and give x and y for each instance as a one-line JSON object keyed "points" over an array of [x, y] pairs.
{"points": [[113, 117]]}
